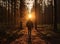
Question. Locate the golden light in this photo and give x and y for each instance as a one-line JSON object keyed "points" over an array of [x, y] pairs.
{"points": [[29, 16], [29, 5]]}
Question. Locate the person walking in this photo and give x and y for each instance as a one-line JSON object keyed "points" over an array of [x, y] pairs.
{"points": [[29, 25]]}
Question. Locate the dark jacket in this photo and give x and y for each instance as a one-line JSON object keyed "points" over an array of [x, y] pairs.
{"points": [[29, 24]]}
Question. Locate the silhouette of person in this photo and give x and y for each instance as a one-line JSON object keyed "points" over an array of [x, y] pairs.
{"points": [[29, 25]]}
